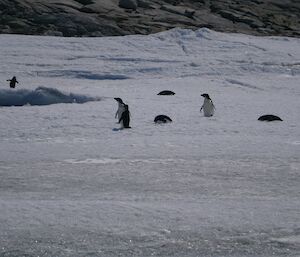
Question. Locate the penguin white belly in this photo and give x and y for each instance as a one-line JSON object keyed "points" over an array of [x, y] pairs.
{"points": [[121, 124], [208, 108], [120, 110]]}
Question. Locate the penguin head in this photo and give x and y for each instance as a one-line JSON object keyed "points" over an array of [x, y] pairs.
{"points": [[119, 100], [206, 96]]}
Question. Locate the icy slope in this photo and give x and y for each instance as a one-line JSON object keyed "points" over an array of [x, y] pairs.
{"points": [[223, 186]]}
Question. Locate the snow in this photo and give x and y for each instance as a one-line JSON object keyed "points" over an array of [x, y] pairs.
{"points": [[73, 184]]}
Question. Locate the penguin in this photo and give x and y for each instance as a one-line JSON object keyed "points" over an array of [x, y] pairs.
{"points": [[269, 117], [208, 106], [12, 82], [166, 92], [125, 117], [162, 119], [121, 108]]}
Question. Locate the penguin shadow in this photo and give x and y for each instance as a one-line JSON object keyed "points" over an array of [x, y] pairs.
{"points": [[117, 129], [120, 129], [208, 120]]}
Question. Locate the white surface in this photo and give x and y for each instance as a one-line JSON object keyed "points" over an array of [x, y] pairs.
{"points": [[71, 184]]}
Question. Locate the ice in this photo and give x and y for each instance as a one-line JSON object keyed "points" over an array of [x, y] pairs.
{"points": [[40, 96], [73, 184]]}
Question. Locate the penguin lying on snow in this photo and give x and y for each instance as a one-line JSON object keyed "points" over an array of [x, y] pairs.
{"points": [[162, 119], [269, 117], [208, 106], [166, 92]]}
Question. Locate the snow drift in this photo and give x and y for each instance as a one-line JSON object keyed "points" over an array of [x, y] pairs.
{"points": [[40, 96], [72, 184]]}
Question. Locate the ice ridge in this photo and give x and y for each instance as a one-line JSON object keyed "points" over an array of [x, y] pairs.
{"points": [[40, 96]]}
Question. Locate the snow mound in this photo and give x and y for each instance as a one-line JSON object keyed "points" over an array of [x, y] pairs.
{"points": [[40, 96], [185, 34]]}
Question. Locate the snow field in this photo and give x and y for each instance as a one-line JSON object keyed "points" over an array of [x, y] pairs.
{"points": [[70, 185]]}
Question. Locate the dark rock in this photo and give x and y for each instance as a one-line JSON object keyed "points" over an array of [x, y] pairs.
{"points": [[53, 33], [123, 17], [16, 24], [128, 4], [173, 2], [189, 13], [45, 18], [85, 2], [144, 4], [269, 117], [87, 9]]}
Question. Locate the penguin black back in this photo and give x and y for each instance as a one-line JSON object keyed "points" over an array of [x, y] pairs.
{"points": [[125, 118], [162, 119], [269, 117], [166, 92]]}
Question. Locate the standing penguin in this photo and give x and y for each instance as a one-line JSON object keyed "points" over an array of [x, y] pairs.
{"points": [[208, 106], [12, 82], [125, 118], [121, 108]]}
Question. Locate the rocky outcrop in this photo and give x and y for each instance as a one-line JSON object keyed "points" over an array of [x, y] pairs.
{"points": [[128, 4], [123, 17]]}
